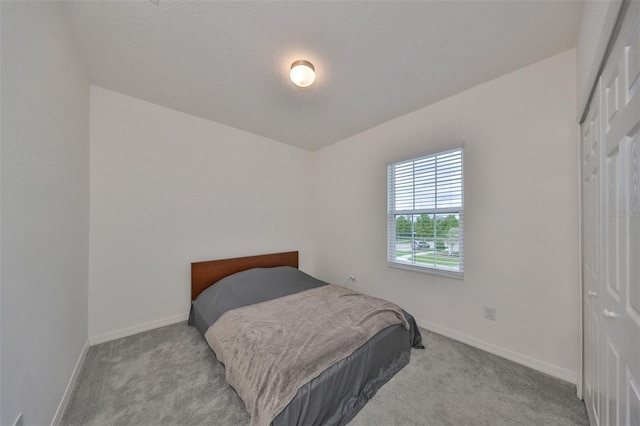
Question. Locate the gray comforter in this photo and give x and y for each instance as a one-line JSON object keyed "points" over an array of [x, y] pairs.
{"points": [[269, 353]]}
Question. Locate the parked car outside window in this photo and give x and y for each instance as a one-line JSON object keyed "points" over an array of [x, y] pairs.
{"points": [[420, 244]]}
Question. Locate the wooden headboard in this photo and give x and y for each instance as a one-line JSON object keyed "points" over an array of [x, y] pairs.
{"points": [[206, 274]]}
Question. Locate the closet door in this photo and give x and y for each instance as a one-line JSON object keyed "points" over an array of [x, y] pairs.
{"points": [[620, 278], [610, 154], [591, 219]]}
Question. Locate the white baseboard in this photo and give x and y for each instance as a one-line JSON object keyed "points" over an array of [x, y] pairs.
{"points": [[536, 364], [72, 383], [129, 331]]}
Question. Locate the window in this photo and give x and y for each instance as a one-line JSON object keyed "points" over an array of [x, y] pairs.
{"points": [[425, 214]]}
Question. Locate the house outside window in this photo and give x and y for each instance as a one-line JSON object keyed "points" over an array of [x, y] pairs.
{"points": [[426, 214]]}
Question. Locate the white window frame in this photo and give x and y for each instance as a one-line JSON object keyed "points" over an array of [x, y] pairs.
{"points": [[392, 212]]}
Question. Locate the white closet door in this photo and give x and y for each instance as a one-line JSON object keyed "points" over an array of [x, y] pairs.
{"points": [[619, 335], [610, 147], [591, 135]]}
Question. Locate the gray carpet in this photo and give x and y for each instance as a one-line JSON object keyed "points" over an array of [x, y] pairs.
{"points": [[169, 376]]}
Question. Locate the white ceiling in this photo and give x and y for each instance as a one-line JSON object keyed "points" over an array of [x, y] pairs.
{"points": [[228, 61]]}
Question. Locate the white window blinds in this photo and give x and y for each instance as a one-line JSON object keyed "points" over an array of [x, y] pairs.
{"points": [[426, 214]]}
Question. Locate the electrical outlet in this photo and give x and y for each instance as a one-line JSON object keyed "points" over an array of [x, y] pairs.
{"points": [[353, 277], [490, 313], [18, 421]]}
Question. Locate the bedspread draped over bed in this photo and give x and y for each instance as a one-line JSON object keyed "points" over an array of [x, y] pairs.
{"points": [[267, 375]]}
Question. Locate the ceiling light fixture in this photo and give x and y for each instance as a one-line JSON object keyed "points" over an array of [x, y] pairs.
{"points": [[302, 73]]}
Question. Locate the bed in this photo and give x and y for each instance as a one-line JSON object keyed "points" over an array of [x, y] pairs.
{"points": [[232, 299]]}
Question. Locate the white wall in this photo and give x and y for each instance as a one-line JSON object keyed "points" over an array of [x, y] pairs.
{"points": [[168, 189], [520, 215], [598, 19], [45, 210]]}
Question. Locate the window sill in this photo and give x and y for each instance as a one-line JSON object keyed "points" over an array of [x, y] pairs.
{"points": [[426, 270]]}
